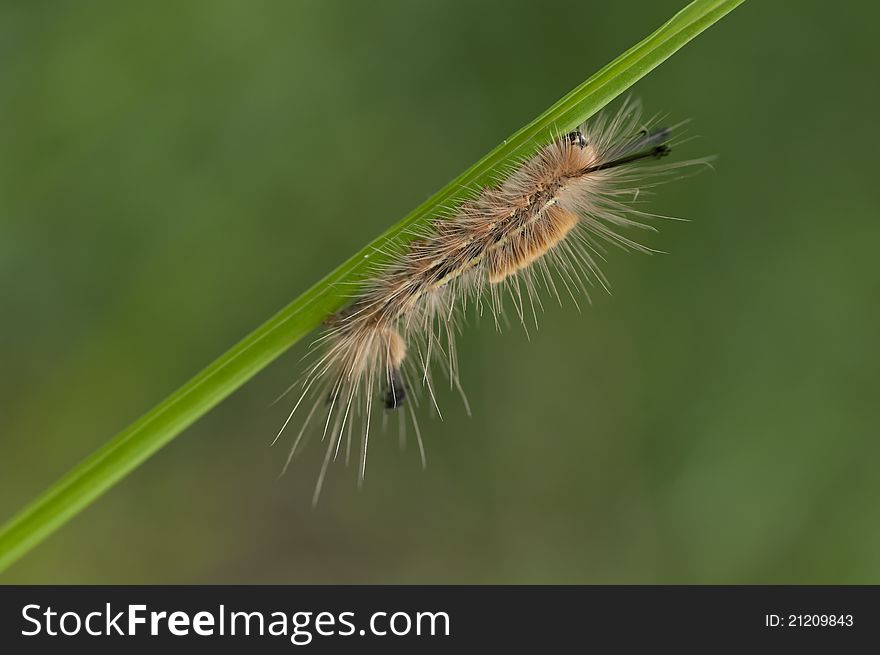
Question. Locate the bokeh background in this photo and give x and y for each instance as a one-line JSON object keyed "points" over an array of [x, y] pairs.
{"points": [[172, 173]]}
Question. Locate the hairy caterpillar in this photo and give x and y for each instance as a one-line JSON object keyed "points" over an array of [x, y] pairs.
{"points": [[544, 225]]}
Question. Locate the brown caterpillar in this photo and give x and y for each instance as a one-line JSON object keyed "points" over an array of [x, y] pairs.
{"points": [[544, 225]]}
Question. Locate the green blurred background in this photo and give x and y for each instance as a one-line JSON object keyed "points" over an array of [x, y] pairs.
{"points": [[171, 173]]}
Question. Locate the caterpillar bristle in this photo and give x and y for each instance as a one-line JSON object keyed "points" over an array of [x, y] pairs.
{"points": [[541, 228]]}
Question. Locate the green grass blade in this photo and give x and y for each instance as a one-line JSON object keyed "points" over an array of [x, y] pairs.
{"points": [[157, 427]]}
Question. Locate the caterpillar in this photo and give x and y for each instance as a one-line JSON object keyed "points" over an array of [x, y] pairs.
{"points": [[543, 227]]}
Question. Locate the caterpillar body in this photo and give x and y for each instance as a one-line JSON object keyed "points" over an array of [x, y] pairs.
{"points": [[544, 226]]}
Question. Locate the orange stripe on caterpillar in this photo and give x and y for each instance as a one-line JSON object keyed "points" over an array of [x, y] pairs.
{"points": [[524, 247]]}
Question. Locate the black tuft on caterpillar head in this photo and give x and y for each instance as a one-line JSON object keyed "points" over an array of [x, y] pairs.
{"points": [[576, 138]]}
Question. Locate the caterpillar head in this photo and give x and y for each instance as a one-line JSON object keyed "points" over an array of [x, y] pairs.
{"points": [[577, 138]]}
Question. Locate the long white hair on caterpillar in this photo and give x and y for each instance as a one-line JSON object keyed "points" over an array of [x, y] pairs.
{"points": [[544, 227]]}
